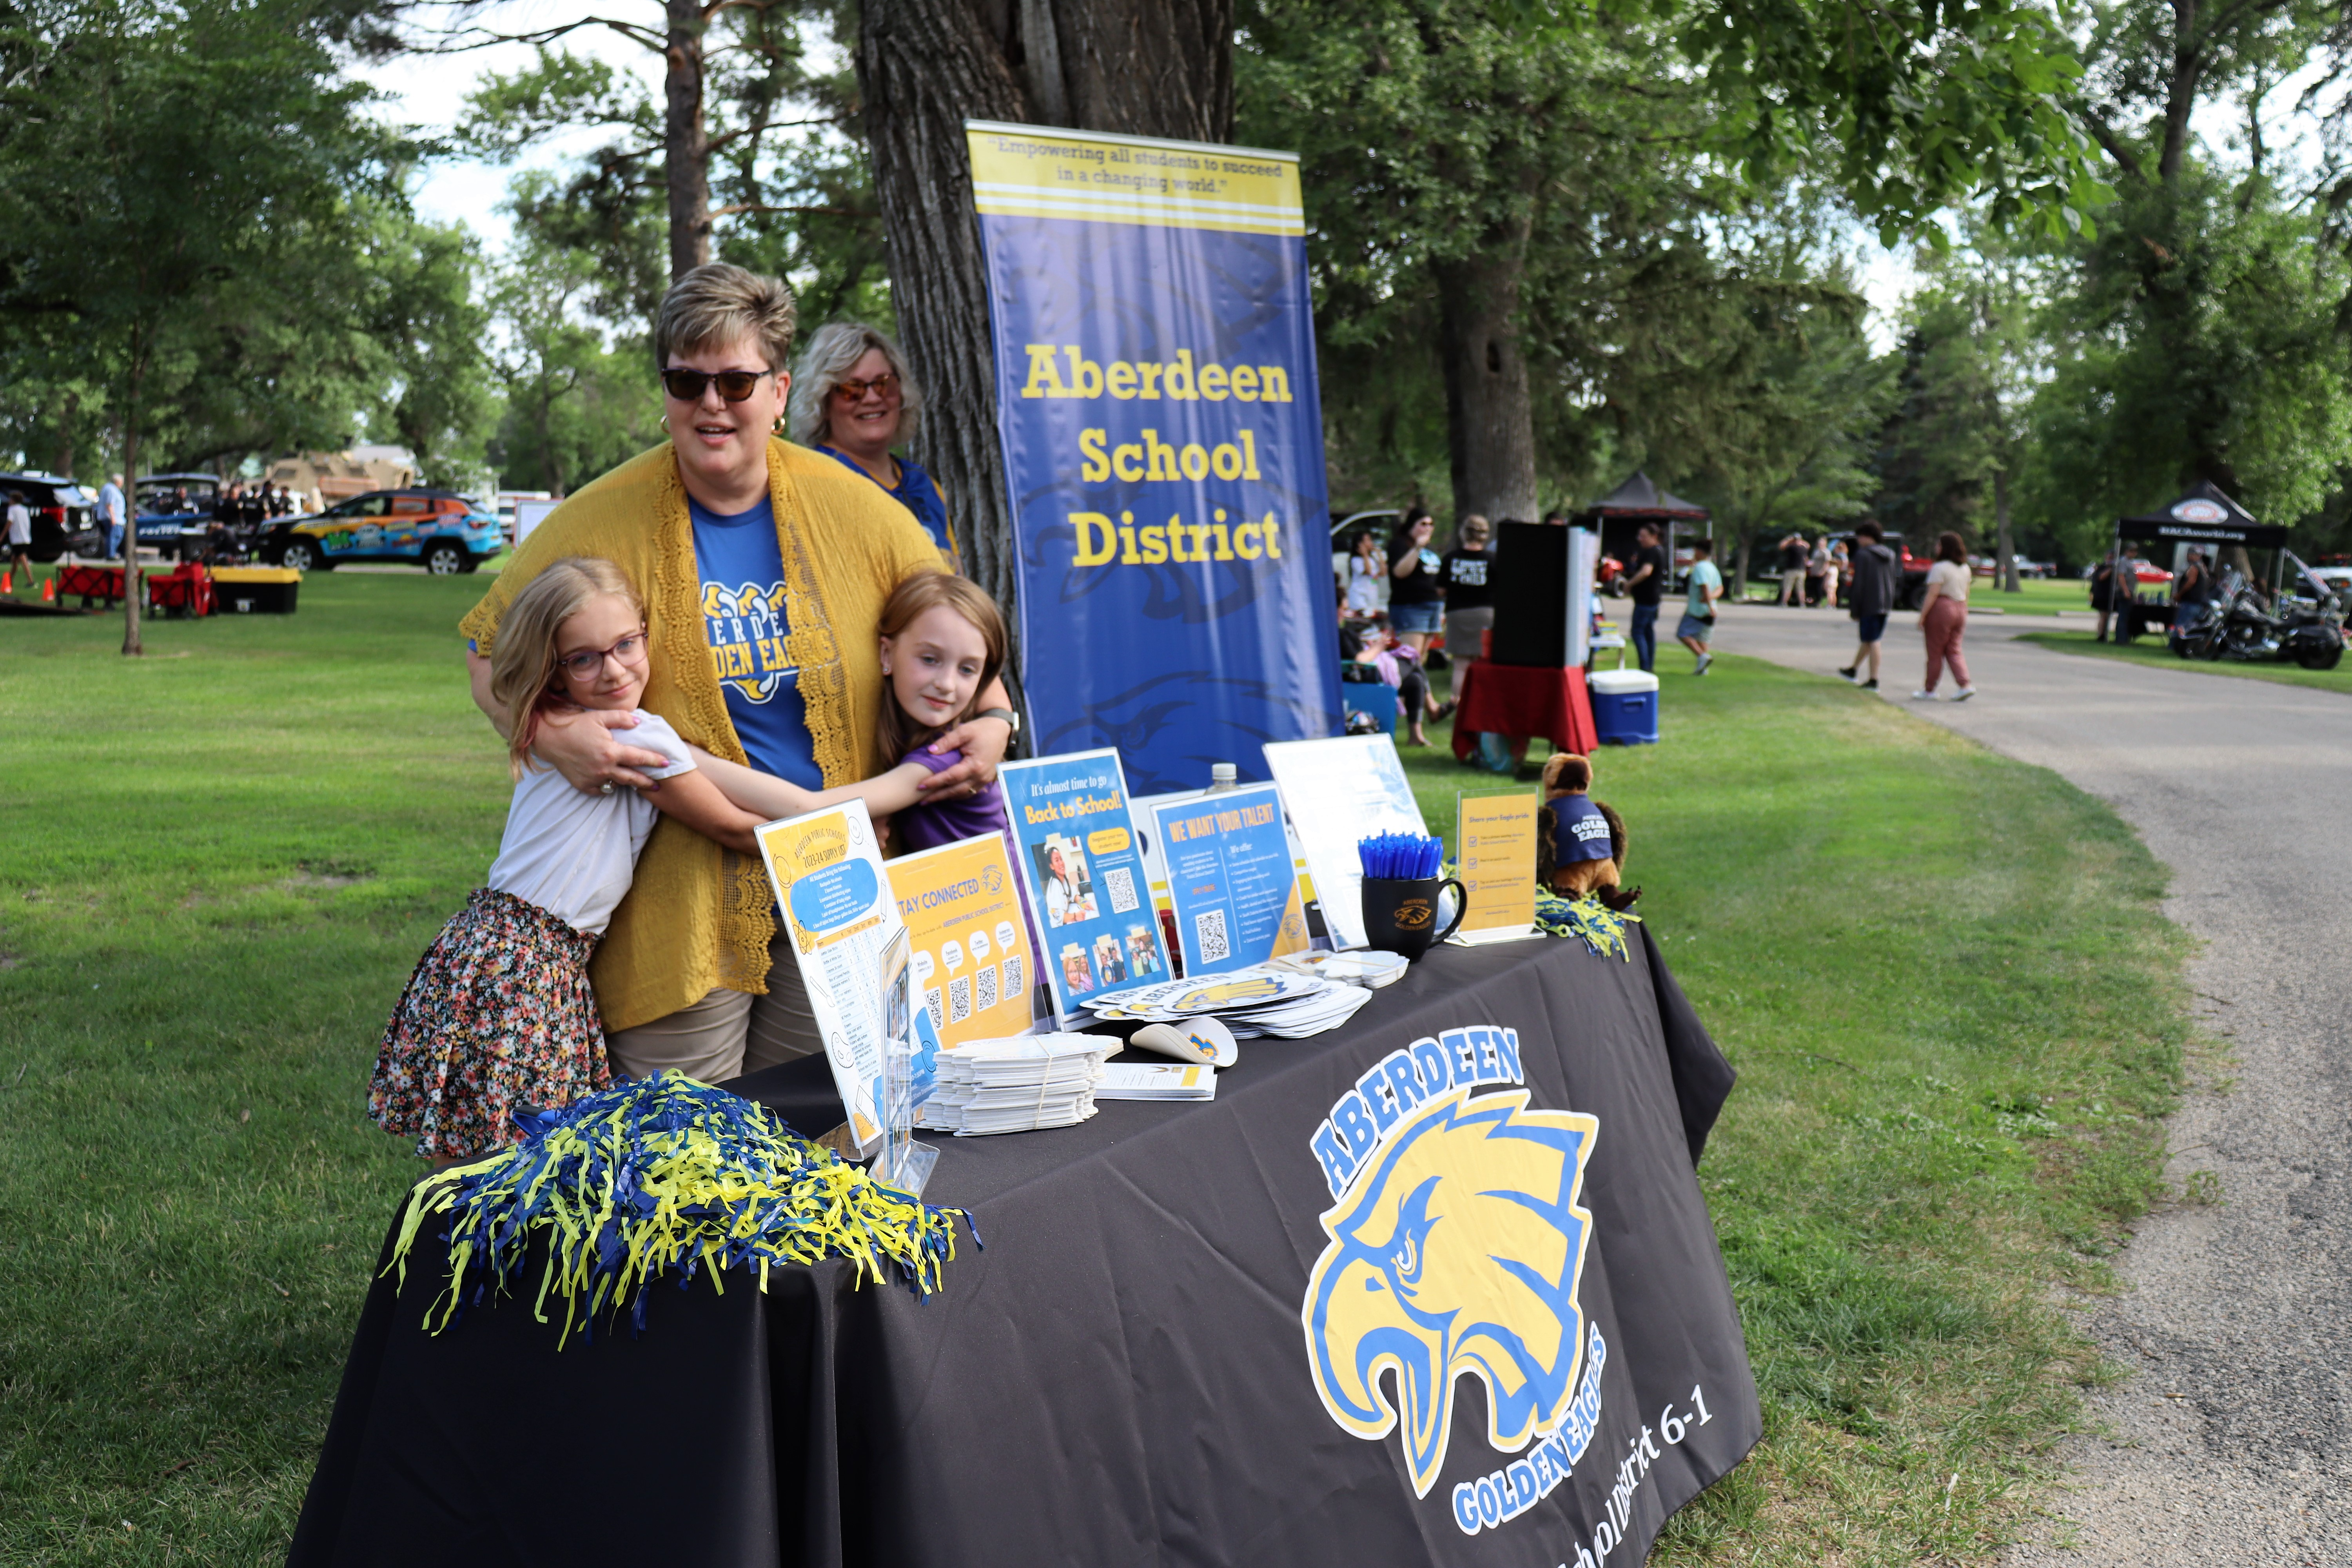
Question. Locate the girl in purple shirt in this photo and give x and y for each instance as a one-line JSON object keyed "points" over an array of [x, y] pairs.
{"points": [[942, 643]]}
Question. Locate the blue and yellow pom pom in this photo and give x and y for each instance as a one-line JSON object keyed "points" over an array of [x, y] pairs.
{"points": [[661, 1177], [1591, 921]]}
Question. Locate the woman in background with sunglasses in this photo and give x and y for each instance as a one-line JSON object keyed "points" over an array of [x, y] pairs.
{"points": [[763, 567], [853, 400]]}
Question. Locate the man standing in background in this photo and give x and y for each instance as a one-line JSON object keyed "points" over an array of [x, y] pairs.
{"points": [[1645, 576], [1875, 574], [109, 515]]}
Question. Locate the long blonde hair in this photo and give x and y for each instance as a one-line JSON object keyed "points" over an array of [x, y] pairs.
{"points": [[925, 591], [523, 661]]}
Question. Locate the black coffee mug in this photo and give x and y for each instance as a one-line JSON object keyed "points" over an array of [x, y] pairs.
{"points": [[1400, 917]]}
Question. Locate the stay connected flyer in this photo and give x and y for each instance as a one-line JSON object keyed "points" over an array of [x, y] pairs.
{"points": [[973, 965]]}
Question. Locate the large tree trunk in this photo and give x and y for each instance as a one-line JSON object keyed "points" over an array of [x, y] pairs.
{"points": [[2005, 542], [131, 644], [1143, 67], [1489, 421], [686, 145]]}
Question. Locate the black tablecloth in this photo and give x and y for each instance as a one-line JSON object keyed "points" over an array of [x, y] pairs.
{"points": [[1127, 1372]]}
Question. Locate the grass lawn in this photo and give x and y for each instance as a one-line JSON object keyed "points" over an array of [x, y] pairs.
{"points": [[2034, 596], [1952, 1040], [224, 860], [2152, 650]]}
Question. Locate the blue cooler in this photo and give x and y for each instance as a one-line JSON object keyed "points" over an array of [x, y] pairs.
{"points": [[1624, 706]]}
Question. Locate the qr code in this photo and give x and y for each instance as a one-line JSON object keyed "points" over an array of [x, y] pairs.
{"points": [[1120, 880], [1014, 984], [987, 994], [959, 999], [931, 1002], [1209, 935]]}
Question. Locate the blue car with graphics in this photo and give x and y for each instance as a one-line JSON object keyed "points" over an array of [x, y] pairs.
{"points": [[440, 531]]}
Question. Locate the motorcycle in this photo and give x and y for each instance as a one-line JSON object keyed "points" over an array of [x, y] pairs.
{"points": [[2236, 625]]}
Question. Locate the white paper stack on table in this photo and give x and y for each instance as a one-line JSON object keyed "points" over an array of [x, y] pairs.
{"points": [[1017, 1085], [1369, 968], [1157, 1080], [1253, 1003]]}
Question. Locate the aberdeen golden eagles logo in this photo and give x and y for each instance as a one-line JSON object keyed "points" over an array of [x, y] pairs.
{"points": [[1458, 1243]]}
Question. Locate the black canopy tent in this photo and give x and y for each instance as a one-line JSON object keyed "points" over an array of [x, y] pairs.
{"points": [[1617, 516], [2206, 517]]}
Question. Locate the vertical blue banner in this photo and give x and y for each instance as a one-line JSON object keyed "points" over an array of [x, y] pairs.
{"points": [[1163, 447]]}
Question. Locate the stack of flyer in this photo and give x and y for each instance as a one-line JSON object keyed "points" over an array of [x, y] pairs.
{"points": [[1017, 1085], [1253, 1003], [1157, 1080], [1369, 969]]}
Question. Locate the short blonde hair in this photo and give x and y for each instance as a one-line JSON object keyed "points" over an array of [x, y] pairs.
{"points": [[825, 363], [717, 303], [522, 660]]}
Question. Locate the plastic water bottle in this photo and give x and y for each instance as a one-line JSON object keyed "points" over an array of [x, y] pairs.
{"points": [[1223, 777]]}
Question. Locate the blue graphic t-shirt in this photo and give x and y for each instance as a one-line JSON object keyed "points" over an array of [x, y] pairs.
{"points": [[916, 493], [746, 620]]}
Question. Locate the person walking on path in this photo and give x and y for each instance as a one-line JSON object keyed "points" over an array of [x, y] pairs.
{"points": [[1825, 570], [1469, 595], [1698, 615], [1647, 583], [1841, 570], [109, 515], [1794, 556], [1944, 615], [1874, 578]]}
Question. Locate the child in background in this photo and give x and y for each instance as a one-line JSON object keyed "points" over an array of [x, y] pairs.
{"points": [[498, 1015], [943, 642]]}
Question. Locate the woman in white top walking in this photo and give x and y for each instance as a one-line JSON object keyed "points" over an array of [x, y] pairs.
{"points": [[20, 541], [1944, 615]]}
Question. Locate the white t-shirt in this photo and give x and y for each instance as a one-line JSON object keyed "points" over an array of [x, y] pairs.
{"points": [[20, 525], [572, 854], [1950, 579]]}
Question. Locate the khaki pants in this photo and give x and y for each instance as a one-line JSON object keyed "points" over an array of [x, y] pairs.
{"points": [[728, 1032]]}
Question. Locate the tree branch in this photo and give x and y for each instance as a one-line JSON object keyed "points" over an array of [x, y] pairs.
{"points": [[773, 207], [2105, 135], [486, 38]]}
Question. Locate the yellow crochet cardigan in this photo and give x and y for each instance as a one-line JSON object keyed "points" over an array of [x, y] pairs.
{"points": [[696, 917]]}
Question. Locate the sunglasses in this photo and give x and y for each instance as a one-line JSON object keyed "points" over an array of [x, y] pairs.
{"points": [[856, 391], [734, 386]]}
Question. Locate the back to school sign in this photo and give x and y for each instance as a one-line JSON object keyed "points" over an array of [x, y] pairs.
{"points": [[1163, 446]]}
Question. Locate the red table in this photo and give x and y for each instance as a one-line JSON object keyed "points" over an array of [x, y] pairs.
{"points": [[1507, 699]]}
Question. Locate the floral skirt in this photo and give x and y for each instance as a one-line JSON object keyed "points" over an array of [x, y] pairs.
{"points": [[498, 1016]]}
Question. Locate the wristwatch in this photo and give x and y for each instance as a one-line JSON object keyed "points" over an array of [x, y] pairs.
{"points": [[1007, 714]]}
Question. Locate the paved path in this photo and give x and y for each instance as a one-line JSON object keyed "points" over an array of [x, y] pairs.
{"points": [[2231, 1444]]}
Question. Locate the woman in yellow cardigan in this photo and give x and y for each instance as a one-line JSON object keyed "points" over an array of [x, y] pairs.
{"points": [[763, 567]]}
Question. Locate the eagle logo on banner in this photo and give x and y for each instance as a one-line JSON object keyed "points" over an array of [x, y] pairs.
{"points": [[1457, 1248]]}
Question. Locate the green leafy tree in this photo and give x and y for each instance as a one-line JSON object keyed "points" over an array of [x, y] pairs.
{"points": [[1956, 440], [575, 403], [215, 146]]}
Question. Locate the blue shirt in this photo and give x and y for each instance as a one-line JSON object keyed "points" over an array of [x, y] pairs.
{"points": [[917, 494], [745, 619]]}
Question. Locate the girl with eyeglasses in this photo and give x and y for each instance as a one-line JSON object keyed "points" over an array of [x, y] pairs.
{"points": [[499, 1014]]}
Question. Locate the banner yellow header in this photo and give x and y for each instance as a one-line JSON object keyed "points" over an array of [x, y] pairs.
{"points": [[1031, 170]]}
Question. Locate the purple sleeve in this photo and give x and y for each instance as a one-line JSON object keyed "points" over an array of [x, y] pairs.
{"points": [[938, 763]]}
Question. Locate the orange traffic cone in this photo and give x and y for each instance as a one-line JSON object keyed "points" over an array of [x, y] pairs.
{"points": [[7, 581], [50, 591]]}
